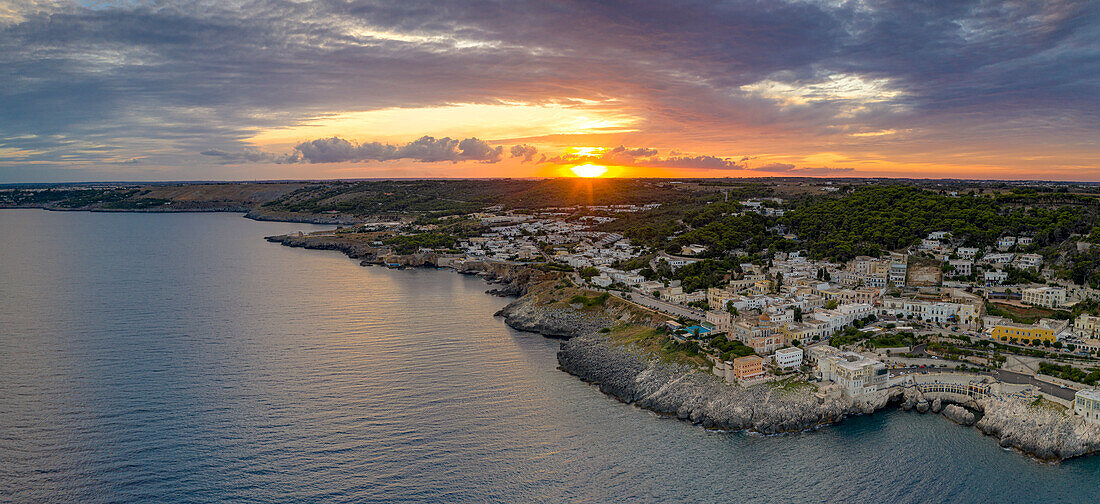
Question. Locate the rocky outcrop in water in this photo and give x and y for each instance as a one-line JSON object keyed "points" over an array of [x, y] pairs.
{"points": [[1044, 433], [352, 248], [263, 214], [700, 397], [959, 414]]}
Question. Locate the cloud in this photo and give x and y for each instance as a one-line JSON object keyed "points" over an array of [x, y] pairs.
{"points": [[822, 170], [168, 80], [527, 152], [252, 155], [793, 170], [645, 156], [774, 167], [697, 162], [637, 152], [425, 149]]}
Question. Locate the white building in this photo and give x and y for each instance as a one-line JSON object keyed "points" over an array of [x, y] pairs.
{"points": [[1050, 297], [790, 357], [999, 258], [855, 374], [1087, 327], [899, 266], [1006, 242], [995, 277], [1030, 261], [962, 267], [967, 252]]}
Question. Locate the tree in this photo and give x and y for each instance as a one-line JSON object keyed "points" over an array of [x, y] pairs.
{"points": [[796, 343], [798, 314], [588, 272], [730, 308]]}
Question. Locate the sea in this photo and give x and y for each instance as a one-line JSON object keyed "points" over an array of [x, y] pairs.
{"points": [[180, 358]]}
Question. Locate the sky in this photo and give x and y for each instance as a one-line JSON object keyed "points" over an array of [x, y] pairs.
{"points": [[265, 89]]}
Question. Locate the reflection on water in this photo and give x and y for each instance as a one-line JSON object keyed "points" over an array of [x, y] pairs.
{"points": [[181, 358]]}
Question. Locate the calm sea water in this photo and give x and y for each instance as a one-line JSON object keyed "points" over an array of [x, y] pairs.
{"points": [[181, 358]]}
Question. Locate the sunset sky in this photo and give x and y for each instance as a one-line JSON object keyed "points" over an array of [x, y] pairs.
{"points": [[242, 90]]}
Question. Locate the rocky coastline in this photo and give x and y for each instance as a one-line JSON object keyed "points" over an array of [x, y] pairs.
{"points": [[693, 395], [706, 400]]}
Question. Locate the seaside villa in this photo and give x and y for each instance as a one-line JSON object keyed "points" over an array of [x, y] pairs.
{"points": [[1087, 404], [748, 367]]}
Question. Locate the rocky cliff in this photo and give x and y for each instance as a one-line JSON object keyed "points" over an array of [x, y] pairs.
{"points": [[700, 397], [1044, 433], [528, 314], [354, 249]]}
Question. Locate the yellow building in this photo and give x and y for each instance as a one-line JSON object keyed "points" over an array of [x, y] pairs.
{"points": [[748, 367], [1044, 330]]}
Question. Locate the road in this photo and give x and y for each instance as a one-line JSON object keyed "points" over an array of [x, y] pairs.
{"points": [[1054, 390], [661, 306]]}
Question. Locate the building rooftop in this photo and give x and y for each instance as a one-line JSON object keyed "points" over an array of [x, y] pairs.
{"points": [[1093, 393]]}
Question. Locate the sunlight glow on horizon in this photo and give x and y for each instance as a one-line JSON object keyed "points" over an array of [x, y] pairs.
{"points": [[589, 170]]}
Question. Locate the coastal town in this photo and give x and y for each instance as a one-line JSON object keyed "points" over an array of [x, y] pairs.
{"points": [[941, 315], [979, 301]]}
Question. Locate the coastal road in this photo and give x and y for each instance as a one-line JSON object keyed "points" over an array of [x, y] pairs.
{"points": [[1054, 390], [661, 306]]}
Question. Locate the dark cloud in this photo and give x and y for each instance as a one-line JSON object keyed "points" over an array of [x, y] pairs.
{"points": [[425, 149], [822, 170], [774, 167], [638, 152], [644, 156], [251, 155], [793, 170], [697, 162], [527, 152]]}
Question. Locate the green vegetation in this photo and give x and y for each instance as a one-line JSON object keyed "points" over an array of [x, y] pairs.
{"points": [[791, 386], [451, 197], [1022, 315], [705, 274], [895, 340], [1022, 276], [1068, 372], [748, 233], [408, 244], [655, 341], [589, 302], [730, 349], [552, 266], [888, 217]]}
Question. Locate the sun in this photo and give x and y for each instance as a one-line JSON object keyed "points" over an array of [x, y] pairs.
{"points": [[589, 170]]}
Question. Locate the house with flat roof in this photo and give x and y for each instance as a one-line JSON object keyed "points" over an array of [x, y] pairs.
{"points": [[789, 357], [1050, 297], [1086, 402], [748, 367]]}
